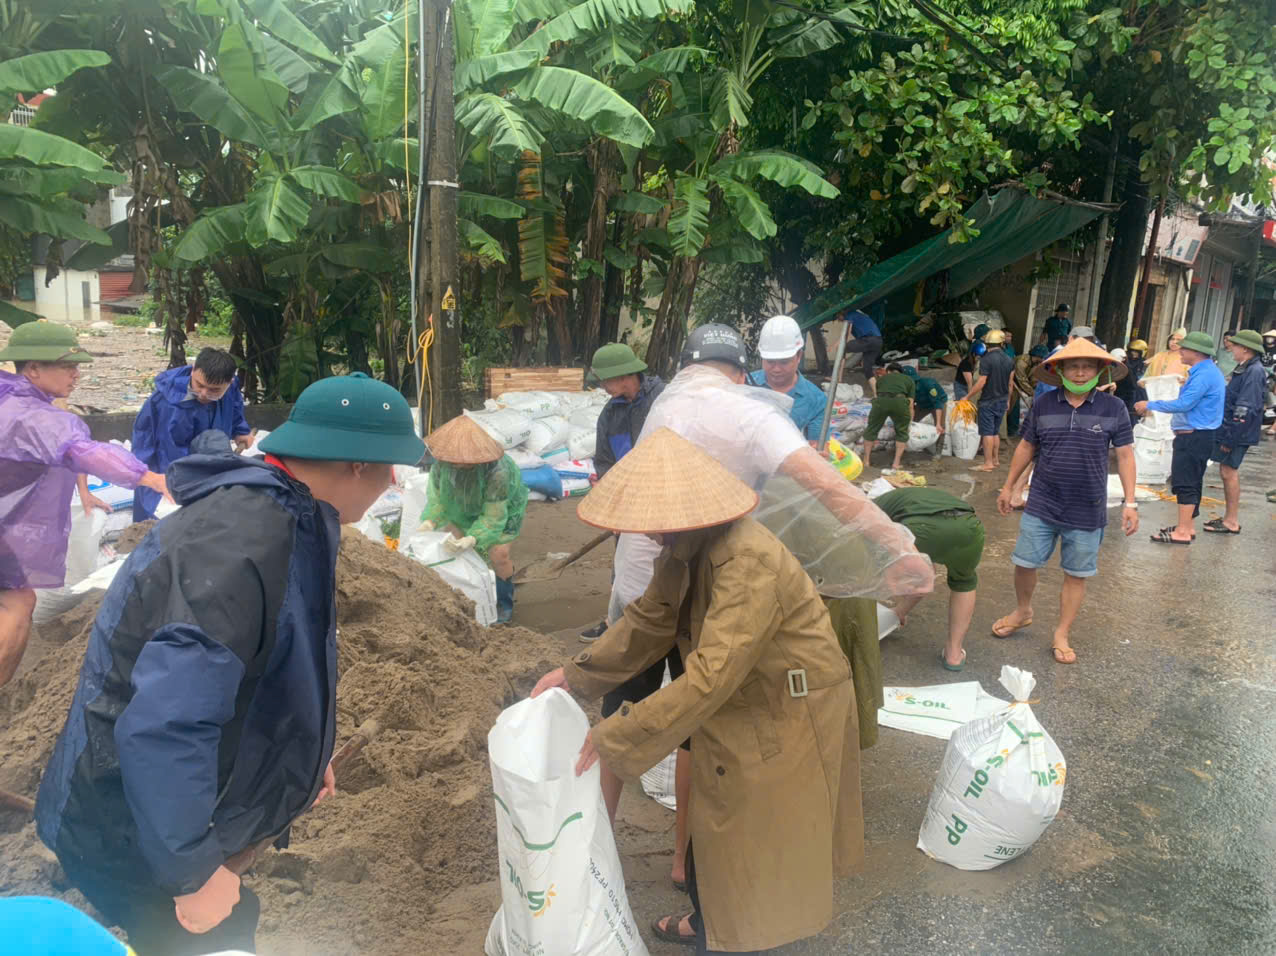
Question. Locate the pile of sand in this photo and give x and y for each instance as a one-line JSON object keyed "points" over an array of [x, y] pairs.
{"points": [[404, 859]]}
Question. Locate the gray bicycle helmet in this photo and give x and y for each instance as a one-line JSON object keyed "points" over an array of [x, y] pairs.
{"points": [[715, 343]]}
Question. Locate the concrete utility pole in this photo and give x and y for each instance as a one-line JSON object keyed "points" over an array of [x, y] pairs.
{"points": [[1101, 241], [436, 277]]}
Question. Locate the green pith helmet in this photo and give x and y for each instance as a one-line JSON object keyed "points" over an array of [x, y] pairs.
{"points": [[1199, 342], [348, 418], [1250, 339], [615, 360], [44, 342]]}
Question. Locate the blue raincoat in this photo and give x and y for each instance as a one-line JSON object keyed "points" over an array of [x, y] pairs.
{"points": [[169, 421]]}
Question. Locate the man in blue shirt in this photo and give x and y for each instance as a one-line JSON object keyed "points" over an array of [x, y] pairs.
{"points": [[1058, 326], [1197, 413], [1068, 431], [865, 338], [187, 401], [782, 346], [1242, 423]]}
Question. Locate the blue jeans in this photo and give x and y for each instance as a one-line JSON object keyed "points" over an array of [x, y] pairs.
{"points": [[1079, 553]]}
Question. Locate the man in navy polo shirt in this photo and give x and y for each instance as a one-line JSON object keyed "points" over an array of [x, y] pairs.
{"points": [[992, 389], [1068, 431], [866, 338]]}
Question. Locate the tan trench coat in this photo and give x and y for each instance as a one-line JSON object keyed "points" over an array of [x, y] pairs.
{"points": [[775, 794]]}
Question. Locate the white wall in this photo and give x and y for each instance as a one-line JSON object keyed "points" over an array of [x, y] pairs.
{"points": [[66, 292]]}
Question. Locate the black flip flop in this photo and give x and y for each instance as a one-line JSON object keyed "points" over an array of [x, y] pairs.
{"points": [[679, 885], [1163, 537], [1216, 526], [1171, 529], [672, 936]]}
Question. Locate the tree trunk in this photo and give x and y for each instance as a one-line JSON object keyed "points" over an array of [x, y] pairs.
{"points": [[445, 274], [601, 155], [1123, 263], [671, 318]]}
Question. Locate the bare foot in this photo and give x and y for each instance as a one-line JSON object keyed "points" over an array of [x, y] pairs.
{"points": [[678, 874]]}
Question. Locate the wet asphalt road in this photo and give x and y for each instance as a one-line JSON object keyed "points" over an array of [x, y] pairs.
{"points": [[1166, 841]]}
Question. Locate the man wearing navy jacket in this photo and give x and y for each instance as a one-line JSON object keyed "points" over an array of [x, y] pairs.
{"points": [[204, 718]]}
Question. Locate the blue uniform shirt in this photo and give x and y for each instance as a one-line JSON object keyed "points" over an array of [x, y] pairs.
{"points": [[862, 326], [808, 404], [1199, 406]]}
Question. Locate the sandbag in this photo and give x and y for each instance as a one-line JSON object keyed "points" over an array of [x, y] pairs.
{"points": [[999, 787], [961, 436], [562, 886], [582, 442], [586, 417], [508, 426], [543, 479], [416, 492], [921, 436], [533, 404], [82, 549], [464, 570], [548, 434], [1152, 457]]}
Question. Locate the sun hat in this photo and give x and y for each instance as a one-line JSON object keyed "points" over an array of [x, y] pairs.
{"points": [[781, 338], [666, 484], [348, 418], [1048, 374], [995, 337], [44, 341], [1199, 342], [614, 360], [1250, 339], [462, 441]]}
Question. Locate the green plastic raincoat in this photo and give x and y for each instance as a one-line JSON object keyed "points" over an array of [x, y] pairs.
{"points": [[486, 502]]}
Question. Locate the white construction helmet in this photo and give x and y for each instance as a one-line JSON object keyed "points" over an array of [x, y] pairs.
{"points": [[781, 338]]}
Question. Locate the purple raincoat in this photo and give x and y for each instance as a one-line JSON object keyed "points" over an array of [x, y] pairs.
{"points": [[42, 449]]}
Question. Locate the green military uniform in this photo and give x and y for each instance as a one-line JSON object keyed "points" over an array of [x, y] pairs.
{"points": [[945, 527], [894, 391]]}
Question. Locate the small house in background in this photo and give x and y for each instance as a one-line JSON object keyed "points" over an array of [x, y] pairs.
{"points": [[53, 287]]}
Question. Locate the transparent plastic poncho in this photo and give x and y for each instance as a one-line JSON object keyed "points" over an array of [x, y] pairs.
{"points": [[848, 545]]}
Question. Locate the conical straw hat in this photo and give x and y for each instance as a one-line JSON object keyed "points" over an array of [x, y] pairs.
{"points": [[666, 484], [1048, 374], [462, 441]]}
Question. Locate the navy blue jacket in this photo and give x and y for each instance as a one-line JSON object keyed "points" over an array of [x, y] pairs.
{"points": [[205, 712], [1243, 405], [168, 423], [620, 424]]}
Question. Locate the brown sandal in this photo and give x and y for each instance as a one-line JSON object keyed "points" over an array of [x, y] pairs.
{"points": [[1064, 655], [1003, 630], [672, 935]]}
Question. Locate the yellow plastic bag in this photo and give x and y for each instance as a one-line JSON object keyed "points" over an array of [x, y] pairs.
{"points": [[845, 460]]}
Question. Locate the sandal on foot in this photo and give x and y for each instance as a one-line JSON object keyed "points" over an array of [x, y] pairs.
{"points": [[1064, 655], [1003, 630], [1170, 530], [1165, 537], [679, 885], [672, 935], [1216, 526], [943, 659]]}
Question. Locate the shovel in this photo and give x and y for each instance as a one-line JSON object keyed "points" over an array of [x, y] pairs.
{"points": [[547, 570]]}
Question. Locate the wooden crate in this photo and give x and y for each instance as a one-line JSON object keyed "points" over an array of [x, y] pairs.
{"points": [[497, 381]]}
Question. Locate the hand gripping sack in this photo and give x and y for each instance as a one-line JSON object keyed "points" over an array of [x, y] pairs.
{"points": [[464, 571], [1000, 785], [562, 888]]}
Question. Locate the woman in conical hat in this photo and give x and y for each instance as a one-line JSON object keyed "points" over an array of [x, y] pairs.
{"points": [[766, 699], [476, 491]]}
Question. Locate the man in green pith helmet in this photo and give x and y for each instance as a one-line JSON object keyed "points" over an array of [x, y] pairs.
{"points": [[623, 376], [205, 715], [42, 450]]}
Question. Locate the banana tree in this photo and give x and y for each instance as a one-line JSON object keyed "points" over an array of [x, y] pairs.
{"points": [[46, 180]]}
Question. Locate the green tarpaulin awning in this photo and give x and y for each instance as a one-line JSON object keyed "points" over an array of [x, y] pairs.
{"points": [[1012, 223]]}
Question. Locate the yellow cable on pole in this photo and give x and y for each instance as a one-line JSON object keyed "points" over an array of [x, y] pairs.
{"points": [[422, 352]]}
